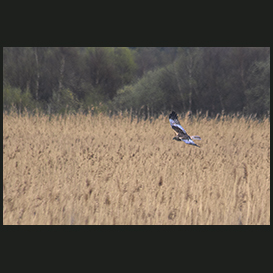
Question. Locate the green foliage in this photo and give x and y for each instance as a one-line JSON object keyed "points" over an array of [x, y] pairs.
{"points": [[63, 101], [108, 69], [15, 97], [94, 101], [18, 67], [125, 65], [258, 93], [146, 92]]}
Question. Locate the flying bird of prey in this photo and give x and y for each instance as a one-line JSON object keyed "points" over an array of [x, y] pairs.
{"points": [[181, 134]]}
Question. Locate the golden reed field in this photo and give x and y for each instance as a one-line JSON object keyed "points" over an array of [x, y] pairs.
{"points": [[101, 170]]}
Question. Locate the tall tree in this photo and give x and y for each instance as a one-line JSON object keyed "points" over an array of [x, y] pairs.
{"points": [[38, 73]]}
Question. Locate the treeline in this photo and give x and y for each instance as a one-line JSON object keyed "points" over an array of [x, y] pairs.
{"points": [[60, 79]]}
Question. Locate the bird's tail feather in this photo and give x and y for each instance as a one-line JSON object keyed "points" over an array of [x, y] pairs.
{"points": [[195, 137]]}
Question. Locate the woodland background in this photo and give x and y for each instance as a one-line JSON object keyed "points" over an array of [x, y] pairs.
{"points": [[144, 80]]}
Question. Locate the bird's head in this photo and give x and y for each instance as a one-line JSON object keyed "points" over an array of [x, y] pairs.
{"points": [[177, 138]]}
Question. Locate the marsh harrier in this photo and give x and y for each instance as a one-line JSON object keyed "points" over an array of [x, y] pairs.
{"points": [[181, 134]]}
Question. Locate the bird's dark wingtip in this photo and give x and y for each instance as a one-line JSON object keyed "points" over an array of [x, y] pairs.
{"points": [[195, 145], [173, 115]]}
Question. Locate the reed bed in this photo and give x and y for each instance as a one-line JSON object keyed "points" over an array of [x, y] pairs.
{"points": [[84, 169]]}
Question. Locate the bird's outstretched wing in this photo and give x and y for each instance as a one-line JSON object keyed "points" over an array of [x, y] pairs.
{"points": [[175, 124]]}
